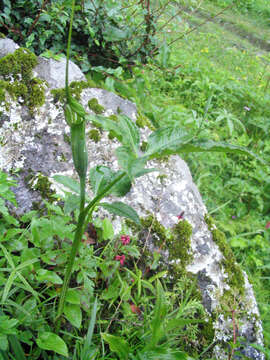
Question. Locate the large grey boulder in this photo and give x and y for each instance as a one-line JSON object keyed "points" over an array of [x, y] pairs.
{"points": [[7, 46], [53, 71], [35, 144]]}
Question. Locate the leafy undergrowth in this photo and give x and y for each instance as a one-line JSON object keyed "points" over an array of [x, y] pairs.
{"points": [[215, 81], [121, 299]]}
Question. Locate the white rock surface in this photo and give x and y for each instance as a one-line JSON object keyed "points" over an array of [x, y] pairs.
{"points": [[7, 46]]}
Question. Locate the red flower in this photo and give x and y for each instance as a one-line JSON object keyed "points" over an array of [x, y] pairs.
{"points": [[267, 226], [125, 239], [120, 258], [181, 216]]}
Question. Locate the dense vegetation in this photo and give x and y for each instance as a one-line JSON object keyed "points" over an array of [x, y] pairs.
{"points": [[214, 80]]}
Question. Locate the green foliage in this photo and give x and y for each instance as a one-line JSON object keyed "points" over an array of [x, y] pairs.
{"points": [[104, 33], [186, 95]]}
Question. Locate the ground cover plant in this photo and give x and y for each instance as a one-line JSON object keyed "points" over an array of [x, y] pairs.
{"points": [[108, 286]]}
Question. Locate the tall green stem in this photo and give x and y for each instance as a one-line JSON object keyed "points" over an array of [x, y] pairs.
{"points": [[75, 246], [69, 43]]}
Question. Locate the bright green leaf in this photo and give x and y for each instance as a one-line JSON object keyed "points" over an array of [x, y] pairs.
{"points": [[51, 341], [73, 297], [121, 209], [74, 314], [47, 275], [117, 344], [107, 228]]}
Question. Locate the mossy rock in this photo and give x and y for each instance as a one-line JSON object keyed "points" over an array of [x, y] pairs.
{"points": [[16, 70]]}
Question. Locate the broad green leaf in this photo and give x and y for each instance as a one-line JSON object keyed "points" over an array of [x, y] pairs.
{"points": [[133, 166], [212, 146], [165, 141], [53, 342], [117, 344], [35, 232], [47, 275], [124, 129], [11, 233], [125, 157], [74, 314], [121, 209], [102, 176], [72, 202], [68, 182], [239, 242], [122, 187], [73, 297], [107, 228], [130, 133]]}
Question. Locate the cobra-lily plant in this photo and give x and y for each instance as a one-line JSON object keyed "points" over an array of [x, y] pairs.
{"points": [[132, 161]]}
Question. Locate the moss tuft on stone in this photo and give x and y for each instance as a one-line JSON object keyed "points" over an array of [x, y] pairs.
{"points": [[41, 183], [142, 121], [94, 135], [75, 87], [17, 72], [95, 106], [235, 275], [144, 146]]}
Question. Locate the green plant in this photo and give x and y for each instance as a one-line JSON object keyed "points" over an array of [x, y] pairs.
{"points": [[164, 141]]}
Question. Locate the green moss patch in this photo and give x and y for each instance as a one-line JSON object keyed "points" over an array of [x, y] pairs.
{"points": [[94, 135], [75, 88], [41, 183], [95, 106], [235, 275], [17, 72], [142, 121]]}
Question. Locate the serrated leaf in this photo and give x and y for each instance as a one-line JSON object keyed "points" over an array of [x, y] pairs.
{"points": [[121, 209], [212, 146], [47, 275], [117, 344], [53, 342], [74, 314], [130, 133], [165, 141]]}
